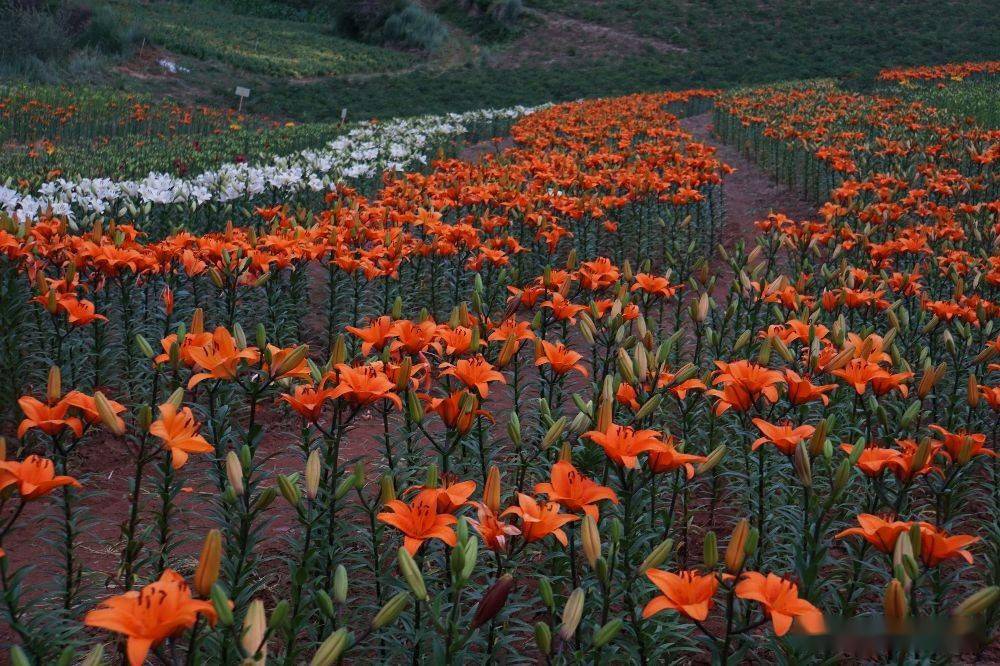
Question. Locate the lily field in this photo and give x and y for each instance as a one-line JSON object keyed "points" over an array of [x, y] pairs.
{"points": [[523, 385]]}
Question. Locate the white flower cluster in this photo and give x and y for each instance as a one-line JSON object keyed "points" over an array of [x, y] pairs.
{"points": [[364, 152]]}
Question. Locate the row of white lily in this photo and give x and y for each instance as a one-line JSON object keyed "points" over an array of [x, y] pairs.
{"points": [[364, 152]]}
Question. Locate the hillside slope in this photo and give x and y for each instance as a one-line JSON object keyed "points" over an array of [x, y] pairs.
{"points": [[305, 61]]}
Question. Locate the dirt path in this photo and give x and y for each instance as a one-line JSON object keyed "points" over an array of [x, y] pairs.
{"points": [[603, 32], [750, 193]]}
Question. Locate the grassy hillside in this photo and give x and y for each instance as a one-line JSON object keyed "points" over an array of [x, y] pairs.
{"points": [[307, 59]]}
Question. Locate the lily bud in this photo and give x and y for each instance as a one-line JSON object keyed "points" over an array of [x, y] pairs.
{"points": [[972, 393], [53, 391], [415, 407], [657, 556], [432, 476], [387, 490], [607, 633], [751, 545], [710, 550], [543, 637], [819, 438], [649, 407], [144, 347], [314, 470], [340, 584], [403, 374], [554, 433], [493, 601], [234, 473], [292, 360], [736, 550], [95, 657], [491, 490], [223, 607], [254, 630], [514, 429], [332, 648], [591, 538], [713, 459], [391, 610], [978, 602], [289, 490], [802, 465], [545, 592], [107, 414], [208, 563], [507, 352], [604, 412], [279, 615], [18, 657], [339, 351], [572, 614], [841, 477], [411, 573], [894, 603], [921, 456], [930, 378]]}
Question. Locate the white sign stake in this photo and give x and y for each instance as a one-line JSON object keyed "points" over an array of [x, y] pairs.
{"points": [[242, 93]]}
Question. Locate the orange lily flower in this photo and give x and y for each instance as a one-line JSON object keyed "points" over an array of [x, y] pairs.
{"points": [[493, 531], [961, 443], [562, 309], [781, 602], [654, 285], [801, 390], [672, 459], [221, 358], [79, 312], [574, 491], [35, 477], [50, 419], [874, 459], [150, 615], [88, 408], [452, 494], [540, 520], [883, 385], [364, 385], [743, 384], [860, 372], [783, 436], [936, 545], [623, 444], [877, 531], [419, 521], [376, 335], [687, 592], [561, 358], [278, 356], [178, 432], [307, 401], [450, 410], [457, 341], [411, 337], [476, 373]]}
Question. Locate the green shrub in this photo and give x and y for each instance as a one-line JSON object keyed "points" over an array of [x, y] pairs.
{"points": [[106, 33], [506, 12], [415, 27], [27, 33]]}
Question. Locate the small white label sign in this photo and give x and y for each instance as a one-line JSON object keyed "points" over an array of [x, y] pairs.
{"points": [[242, 92]]}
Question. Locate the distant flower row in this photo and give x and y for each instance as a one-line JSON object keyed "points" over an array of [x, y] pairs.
{"points": [[955, 71], [362, 153]]}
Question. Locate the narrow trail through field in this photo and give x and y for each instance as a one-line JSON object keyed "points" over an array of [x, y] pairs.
{"points": [[750, 192]]}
